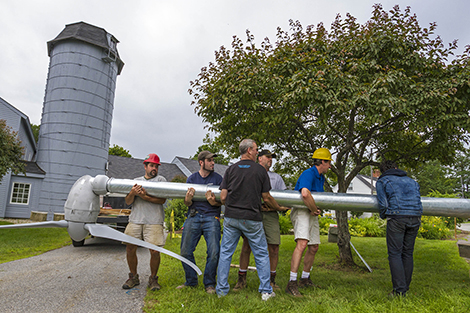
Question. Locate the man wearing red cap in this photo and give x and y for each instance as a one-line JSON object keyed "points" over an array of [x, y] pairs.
{"points": [[145, 223]]}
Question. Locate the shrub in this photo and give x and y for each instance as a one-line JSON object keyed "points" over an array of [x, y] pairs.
{"points": [[450, 221], [433, 227], [285, 223], [367, 227], [179, 209], [324, 224]]}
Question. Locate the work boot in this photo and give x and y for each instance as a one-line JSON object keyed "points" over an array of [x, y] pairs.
{"points": [[241, 283], [131, 282], [153, 283], [273, 282], [307, 282], [292, 289]]}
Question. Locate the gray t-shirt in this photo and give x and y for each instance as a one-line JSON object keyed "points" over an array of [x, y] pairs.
{"points": [[145, 212], [277, 183]]}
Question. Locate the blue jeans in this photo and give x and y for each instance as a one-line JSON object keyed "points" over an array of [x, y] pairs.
{"points": [[254, 232], [194, 228], [401, 235]]}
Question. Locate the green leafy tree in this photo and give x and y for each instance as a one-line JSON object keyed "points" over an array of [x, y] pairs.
{"points": [[215, 147], [35, 128], [462, 171], [378, 90], [119, 151], [433, 176], [11, 151]]}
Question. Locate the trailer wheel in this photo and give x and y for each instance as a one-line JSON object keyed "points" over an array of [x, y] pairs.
{"points": [[78, 243]]}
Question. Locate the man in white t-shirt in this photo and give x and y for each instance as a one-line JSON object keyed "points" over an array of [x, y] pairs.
{"points": [[145, 223]]}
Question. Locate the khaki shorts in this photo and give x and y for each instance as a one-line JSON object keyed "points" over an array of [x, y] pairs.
{"points": [[306, 226], [149, 233], [271, 228]]}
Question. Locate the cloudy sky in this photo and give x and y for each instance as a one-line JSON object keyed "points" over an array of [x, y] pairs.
{"points": [[164, 44]]}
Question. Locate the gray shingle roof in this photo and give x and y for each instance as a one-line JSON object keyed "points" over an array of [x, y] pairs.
{"points": [[87, 33], [130, 168], [193, 165], [33, 168]]}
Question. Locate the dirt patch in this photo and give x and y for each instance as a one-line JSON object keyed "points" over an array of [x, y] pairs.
{"points": [[343, 267]]}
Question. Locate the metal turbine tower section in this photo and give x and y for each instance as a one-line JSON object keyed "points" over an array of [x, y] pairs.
{"points": [[290, 198], [77, 112]]}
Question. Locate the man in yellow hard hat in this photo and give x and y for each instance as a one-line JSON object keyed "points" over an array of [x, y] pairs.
{"points": [[305, 221]]}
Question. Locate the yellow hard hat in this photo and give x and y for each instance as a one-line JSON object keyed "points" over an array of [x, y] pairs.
{"points": [[322, 154]]}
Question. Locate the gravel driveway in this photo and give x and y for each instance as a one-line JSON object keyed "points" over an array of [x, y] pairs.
{"points": [[82, 279]]}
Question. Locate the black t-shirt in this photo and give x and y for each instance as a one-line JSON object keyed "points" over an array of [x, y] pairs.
{"points": [[245, 181]]}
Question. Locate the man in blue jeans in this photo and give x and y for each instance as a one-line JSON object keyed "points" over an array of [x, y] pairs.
{"points": [[203, 220], [243, 186], [400, 203]]}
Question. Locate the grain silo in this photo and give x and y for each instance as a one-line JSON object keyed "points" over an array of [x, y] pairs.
{"points": [[77, 112]]}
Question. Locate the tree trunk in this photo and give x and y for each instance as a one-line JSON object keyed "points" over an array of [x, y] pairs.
{"points": [[345, 255]]}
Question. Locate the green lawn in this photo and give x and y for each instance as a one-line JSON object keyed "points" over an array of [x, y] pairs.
{"points": [[20, 243], [440, 282]]}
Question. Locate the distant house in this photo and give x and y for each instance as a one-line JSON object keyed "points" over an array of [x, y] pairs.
{"points": [[19, 193], [362, 184]]}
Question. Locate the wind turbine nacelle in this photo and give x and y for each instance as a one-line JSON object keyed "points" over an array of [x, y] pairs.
{"points": [[82, 205]]}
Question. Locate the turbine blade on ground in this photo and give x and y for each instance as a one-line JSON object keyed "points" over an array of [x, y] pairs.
{"points": [[104, 231], [48, 224]]}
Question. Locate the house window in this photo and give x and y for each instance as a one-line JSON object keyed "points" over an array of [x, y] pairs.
{"points": [[20, 193], [350, 187]]}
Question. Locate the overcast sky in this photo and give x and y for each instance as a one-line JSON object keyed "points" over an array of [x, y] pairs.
{"points": [[164, 44]]}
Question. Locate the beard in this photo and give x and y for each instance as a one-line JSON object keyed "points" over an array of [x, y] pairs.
{"points": [[152, 173], [210, 170]]}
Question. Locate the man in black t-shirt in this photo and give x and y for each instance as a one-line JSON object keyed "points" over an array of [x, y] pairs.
{"points": [[245, 183]]}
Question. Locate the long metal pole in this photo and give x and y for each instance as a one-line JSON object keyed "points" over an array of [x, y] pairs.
{"points": [[290, 198]]}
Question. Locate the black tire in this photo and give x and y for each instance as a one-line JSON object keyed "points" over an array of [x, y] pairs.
{"points": [[78, 243]]}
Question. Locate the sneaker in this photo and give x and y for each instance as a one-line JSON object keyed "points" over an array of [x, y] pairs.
{"points": [[292, 289], [307, 282], [210, 290], [265, 296], [241, 283], [131, 282], [153, 283]]}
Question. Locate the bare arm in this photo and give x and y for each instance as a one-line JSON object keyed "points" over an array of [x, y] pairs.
{"points": [[269, 200], [143, 194], [310, 202], [223, 195]]}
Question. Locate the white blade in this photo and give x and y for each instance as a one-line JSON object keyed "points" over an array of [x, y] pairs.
{"points": [[61, 223], [104, 231]]}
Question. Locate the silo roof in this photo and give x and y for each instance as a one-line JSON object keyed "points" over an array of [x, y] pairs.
{"points": [[87, 33]]}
